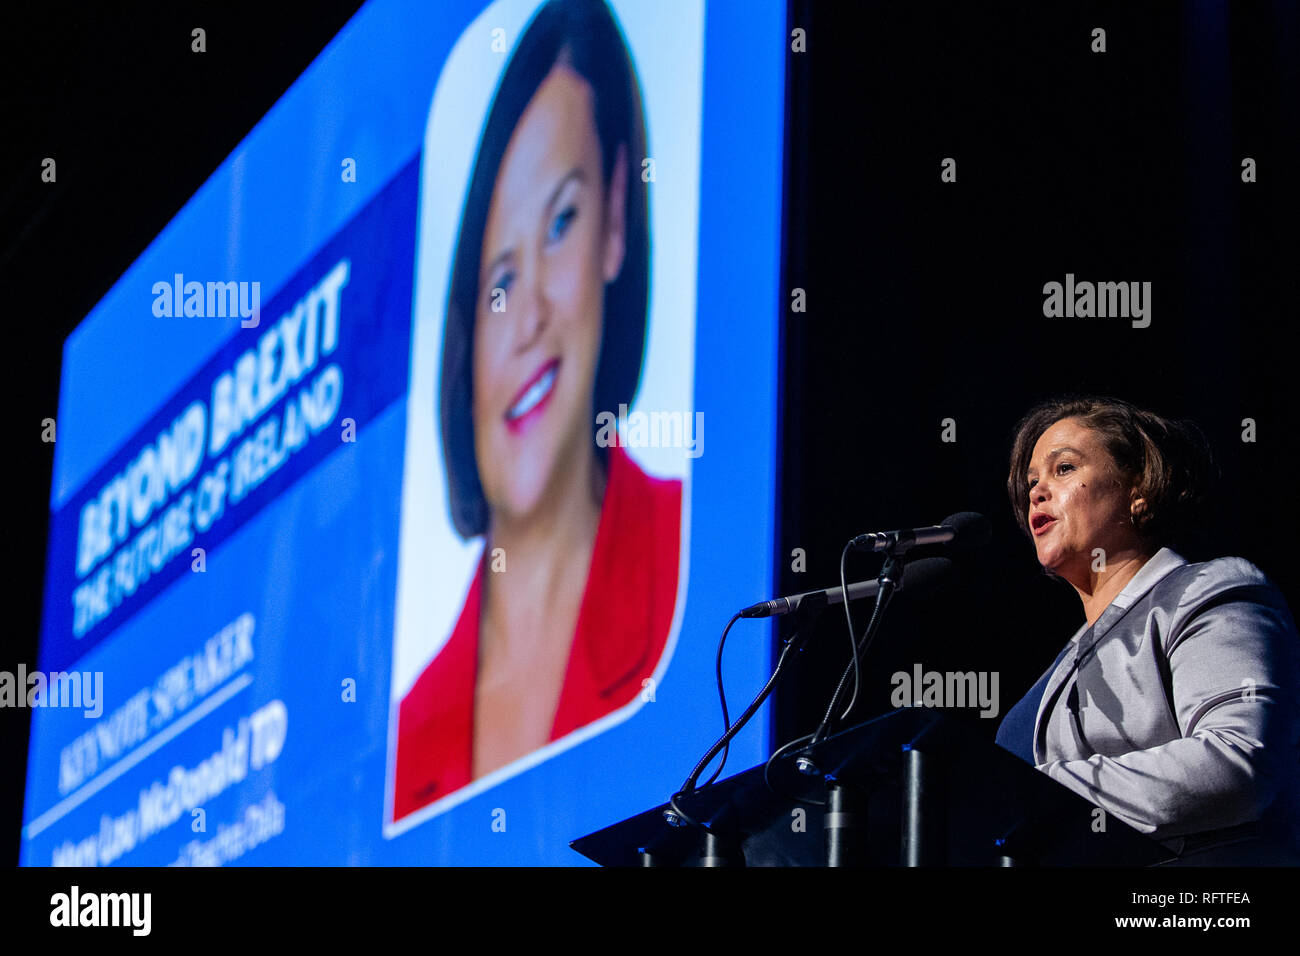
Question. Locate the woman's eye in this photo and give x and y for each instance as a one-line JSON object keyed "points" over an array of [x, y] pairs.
{"points": [[560, 224], [1032, 482], [1063, 467]]}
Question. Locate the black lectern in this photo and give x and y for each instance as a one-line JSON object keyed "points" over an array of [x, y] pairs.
{"points": [[914, 787]]}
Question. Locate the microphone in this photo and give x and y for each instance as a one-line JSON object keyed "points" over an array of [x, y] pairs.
{"points": [[921, 573], [964, 530]]}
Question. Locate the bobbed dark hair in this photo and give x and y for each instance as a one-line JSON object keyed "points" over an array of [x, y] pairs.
{"points": [[1168, 461], [584, 35]]}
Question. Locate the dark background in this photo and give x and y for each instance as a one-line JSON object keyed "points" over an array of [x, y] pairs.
{"points": [[924, 298]]}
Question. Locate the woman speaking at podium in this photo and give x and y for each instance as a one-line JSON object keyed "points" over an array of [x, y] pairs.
{"points": [[1174, 705]]}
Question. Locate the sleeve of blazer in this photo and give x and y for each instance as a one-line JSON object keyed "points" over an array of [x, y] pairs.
{"points": [[1229, 644]]}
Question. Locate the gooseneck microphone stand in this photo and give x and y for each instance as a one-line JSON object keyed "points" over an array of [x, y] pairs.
{"points": [[890, 579], [845, 807], [845, 821], [675, 815]]}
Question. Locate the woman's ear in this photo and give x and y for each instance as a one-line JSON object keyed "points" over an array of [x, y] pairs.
{"points": [[1137, 506], [616, 216]]}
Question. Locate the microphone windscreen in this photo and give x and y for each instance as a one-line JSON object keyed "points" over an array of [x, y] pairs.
{"points": [[926, 572], [972, 530]]}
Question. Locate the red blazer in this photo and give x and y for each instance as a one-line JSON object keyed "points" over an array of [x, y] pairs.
{"points": [[623, 623]]}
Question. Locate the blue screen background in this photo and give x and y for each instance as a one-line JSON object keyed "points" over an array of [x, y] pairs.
{"points": [[313, 559]]}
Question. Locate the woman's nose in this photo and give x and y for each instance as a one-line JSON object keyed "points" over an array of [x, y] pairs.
{"points": [[530, 306]]}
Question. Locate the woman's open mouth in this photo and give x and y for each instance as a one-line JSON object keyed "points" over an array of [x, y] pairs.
{"points": [[1041, 523], [531, 400]]}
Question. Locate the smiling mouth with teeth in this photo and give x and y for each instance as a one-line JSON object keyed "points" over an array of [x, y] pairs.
{"points": [[533, 398]]}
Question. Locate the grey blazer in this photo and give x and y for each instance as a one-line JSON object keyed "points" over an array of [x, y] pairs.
{"points": [[1177, 710]]}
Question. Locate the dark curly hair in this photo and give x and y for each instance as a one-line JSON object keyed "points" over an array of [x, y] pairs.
{"points": [[1168, 461]]}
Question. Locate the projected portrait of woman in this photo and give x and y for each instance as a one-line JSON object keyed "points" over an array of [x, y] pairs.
{"points": [[571, 606]]}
